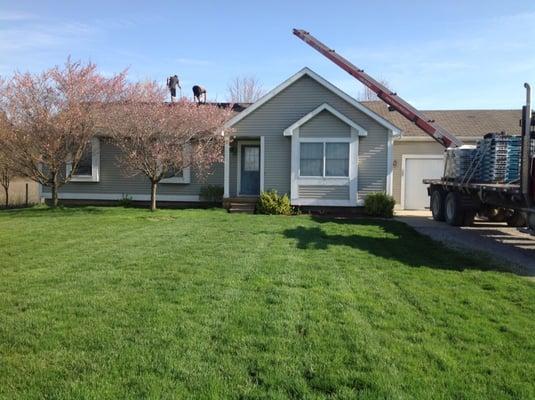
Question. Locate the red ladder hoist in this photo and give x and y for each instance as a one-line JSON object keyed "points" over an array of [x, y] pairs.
{"points": [[441, 135]]}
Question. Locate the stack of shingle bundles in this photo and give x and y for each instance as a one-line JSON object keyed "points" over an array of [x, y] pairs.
{"points": [[500, 162], [514, 158], [458, 162]]}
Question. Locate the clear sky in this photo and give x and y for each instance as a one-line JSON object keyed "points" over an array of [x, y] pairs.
{"points": [[436, 54]]}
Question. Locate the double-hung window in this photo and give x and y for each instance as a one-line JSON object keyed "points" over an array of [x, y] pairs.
{"points": [[324, 159], [87, 169]]}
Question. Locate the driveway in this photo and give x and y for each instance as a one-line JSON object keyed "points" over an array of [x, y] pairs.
{"points": [[505, 244]]}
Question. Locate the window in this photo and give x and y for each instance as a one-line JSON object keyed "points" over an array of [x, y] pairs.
{"points": [[251, 158], [173, 174], [179, 175], [85, 165], [88, 167], [324, 159], [336, 159], [311, 162]]}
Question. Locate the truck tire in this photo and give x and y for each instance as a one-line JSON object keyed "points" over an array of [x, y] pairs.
{"points": [[453, 209], [469, 216], [531, 222], [517, 219], [436, 204]]}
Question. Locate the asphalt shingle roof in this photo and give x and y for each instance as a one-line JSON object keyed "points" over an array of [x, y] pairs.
{"points": [[462, 123]]}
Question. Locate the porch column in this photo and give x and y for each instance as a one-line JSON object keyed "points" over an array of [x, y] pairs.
{"points": [[262, 152], [226, 184]]}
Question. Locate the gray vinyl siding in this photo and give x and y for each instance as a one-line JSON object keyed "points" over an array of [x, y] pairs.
{"points": [[114, 181], [325, 125], [291, 104], [323, 192]]}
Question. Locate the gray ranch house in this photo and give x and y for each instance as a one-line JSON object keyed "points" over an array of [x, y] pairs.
{"points": [[309, 139], [306, 138]]}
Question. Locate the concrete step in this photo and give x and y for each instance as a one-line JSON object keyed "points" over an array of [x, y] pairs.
{"points": [[245, 207], [241, 210]]}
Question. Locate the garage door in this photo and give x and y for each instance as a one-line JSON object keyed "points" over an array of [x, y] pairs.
{"points": [[416, 169]]}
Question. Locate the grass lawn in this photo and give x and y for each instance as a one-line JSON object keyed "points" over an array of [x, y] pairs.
{"points": [[107, 303]]}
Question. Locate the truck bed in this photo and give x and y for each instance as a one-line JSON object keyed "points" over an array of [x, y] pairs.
{"points": [[509, 188]]}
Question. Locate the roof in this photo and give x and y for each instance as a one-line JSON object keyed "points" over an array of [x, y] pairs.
{"points": [[462, 123], [329, 86]]}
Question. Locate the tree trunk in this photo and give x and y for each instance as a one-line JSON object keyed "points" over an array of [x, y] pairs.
{"points": [[153, 187], [54, 195], [6, 190]]}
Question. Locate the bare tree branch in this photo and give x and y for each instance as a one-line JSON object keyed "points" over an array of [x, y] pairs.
{"points": [[368, 95], [245, 89]]}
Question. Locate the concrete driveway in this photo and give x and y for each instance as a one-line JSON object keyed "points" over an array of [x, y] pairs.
{"points": [[508, 245]]}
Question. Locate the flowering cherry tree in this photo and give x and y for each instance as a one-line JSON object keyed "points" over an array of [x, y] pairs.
{"points": [[53, 115], [159, 139], [7, 166]]}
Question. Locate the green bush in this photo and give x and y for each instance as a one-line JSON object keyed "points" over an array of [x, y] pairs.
{"points": [[126, 201], [272, 203], [212, 193], [379, 205]]}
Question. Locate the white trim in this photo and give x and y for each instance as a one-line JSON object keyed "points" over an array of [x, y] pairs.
{"points": [[226, 166], [120, 196], [430, 139], [95, 165], [323, 139], [351, 180], [323, 202], [329, 86], [404, 159], [353, 166], [390, 164], [325, 107], [186, 172], [184, 179], [238, 172], [262, 152]]}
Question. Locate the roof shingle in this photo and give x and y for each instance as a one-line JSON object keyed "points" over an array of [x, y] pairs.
{"points": [[462, 123]]}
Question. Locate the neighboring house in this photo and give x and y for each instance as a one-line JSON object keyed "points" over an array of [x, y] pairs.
{"points": [[309, 139], [417, 156], [21, 192]]}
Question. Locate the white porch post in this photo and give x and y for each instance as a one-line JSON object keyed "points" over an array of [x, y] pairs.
{"points": [[262, 152], [226, 185], [389, 161]]}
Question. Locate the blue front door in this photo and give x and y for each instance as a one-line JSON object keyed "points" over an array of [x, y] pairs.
{"points": [[250, 170]]}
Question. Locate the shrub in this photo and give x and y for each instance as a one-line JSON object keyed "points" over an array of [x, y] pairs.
{"points": [[379, 205], [126, 201], [212, 193], [272, 203]]}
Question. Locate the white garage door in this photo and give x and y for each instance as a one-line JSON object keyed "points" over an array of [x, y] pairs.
{"points": [[416, 169]]}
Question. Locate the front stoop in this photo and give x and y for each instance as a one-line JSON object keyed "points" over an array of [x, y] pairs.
{"points": [[240, 204]]}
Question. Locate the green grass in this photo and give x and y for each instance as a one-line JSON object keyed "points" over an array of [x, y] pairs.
{"points": [[104, 303]]}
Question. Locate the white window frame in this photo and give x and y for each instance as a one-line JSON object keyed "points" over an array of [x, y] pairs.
{"points": [[95, 165], [324, 142], [351, 180], [186, 173]]}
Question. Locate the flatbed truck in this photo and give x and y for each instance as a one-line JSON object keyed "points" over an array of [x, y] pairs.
{"points": [[457, 202]]}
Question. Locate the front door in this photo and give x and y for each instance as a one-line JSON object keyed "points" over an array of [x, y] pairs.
{"points": [[250, 170]]}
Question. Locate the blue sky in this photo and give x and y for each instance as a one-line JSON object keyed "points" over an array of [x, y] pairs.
{"points": [[437, 55]]}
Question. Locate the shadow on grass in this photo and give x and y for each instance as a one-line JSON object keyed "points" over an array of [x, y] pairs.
{"points": [[400, 243]]}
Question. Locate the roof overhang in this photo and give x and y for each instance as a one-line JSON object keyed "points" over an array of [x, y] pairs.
{"points": [[325, 107], [329, 86]]}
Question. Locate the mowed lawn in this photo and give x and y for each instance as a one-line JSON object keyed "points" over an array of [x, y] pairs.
{"points": [[110, 303]]}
